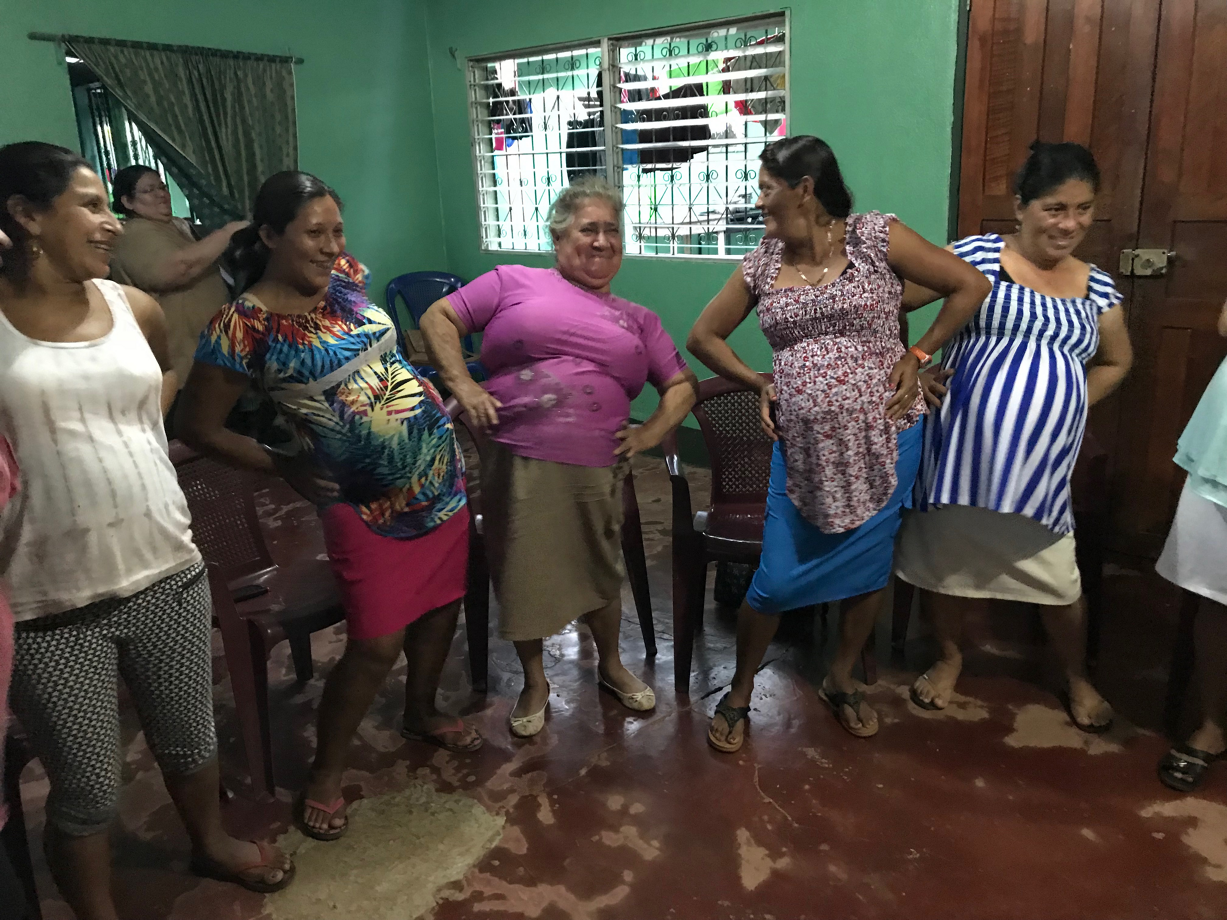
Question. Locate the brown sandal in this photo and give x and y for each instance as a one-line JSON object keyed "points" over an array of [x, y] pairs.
{"points": [[326, 835], [208, 868], [838, 700], [436, 738], [731, 715]]}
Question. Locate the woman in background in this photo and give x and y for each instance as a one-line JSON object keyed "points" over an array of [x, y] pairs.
{"points": [[374, 450], [827, 284], [11, 892], [566, 357], [994, 518], [1195, 558], [105, 580], [159, 254]]}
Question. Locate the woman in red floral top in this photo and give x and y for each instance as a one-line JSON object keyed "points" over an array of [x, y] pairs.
{"points": [[828, 286]]}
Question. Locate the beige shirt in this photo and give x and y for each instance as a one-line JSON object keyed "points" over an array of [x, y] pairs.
{"points": [[139, 253]]}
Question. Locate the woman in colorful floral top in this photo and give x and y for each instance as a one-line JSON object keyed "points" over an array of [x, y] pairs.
{"points": [[828, 286], [375, 451]]}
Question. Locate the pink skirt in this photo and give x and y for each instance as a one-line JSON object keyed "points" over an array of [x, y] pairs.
{"points": [[387, 583]]}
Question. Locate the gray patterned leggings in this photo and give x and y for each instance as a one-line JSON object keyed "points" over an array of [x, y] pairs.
{"points": [[65, 692]]}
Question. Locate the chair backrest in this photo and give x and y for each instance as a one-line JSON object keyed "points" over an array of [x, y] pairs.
{"points": [[419, 290], [225, 523], [739, 450]]}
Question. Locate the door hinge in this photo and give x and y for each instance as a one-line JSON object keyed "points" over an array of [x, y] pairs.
{"points": [[1144, 263]]}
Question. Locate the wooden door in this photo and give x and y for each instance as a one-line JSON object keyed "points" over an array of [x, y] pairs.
{"points": [[1172, 319], [1116, 76], [1053, 70]]}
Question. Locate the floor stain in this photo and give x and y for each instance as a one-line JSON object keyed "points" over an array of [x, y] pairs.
{"points": [[756, 862], [1207, 837], [1038, 726]]}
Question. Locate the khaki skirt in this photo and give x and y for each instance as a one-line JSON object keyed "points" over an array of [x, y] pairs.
{"points": [[974, 552], [553, 539]]}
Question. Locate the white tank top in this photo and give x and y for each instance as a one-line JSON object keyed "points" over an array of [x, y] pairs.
{"points": [[104, 514]]}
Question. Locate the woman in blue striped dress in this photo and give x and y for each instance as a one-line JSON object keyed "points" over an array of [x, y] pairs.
{"points": [[993, 518]]}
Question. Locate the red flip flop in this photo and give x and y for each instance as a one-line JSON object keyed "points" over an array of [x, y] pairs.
{"points": [[436, 739], [300, 818], [208, 868]]}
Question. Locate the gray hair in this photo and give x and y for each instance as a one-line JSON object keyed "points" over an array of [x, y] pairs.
{"points": [[573, 197]]}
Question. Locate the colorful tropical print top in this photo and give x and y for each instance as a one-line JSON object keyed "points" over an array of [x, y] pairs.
{"points": [[356, 406]]}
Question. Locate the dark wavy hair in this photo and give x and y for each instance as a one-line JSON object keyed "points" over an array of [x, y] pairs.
{"points": [[39, 173], [793, 158], [123, 185], [277, 203], [1050, 166]]}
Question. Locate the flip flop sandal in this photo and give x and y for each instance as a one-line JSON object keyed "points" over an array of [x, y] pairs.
{"points": [[918, 700], [838, 700], [326, 835], [1091, 728], [731, 715], [208, 868], [1184, 767], [435, 738]]}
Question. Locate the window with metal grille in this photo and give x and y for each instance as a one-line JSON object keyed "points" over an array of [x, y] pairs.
{"points": [[690, 108]]}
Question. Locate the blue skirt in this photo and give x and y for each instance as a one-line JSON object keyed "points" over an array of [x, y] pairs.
{"points": [[801, 565]]}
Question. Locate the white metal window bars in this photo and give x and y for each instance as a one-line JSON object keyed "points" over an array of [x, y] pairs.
{"points": [[693, 108]]}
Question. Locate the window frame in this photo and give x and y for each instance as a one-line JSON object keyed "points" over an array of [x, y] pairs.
{"points": [[610, 67]]}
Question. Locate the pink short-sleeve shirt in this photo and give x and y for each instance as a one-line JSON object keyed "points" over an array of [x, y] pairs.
{"points": [[564, 361]]}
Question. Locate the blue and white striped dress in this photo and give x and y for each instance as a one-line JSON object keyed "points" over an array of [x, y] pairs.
{"points": [[1008, 432]]}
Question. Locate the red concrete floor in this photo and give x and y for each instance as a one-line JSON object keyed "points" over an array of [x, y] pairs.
{"points": [[995, 809]]}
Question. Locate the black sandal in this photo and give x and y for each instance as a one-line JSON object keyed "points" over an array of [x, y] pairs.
{"points": [[1184, 767], [838, 700], [731, 715]]}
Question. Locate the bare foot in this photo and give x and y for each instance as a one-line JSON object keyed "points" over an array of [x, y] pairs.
{"points": [[1086, 706], [532, 700], [935, 686], [449, 732], [234, 855], [1209, 738], [326, 790]]}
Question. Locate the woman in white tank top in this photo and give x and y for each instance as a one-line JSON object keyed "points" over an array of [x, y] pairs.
{"points": [[105, 580]]}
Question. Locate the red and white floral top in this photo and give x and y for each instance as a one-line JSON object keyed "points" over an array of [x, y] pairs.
{"points": [[834, 349]]}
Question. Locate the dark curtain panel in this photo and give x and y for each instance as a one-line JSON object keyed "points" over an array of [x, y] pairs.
{"points": [[220, 124]]}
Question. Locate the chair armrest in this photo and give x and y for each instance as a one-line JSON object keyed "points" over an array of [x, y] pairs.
{"points": [[683, 517]]}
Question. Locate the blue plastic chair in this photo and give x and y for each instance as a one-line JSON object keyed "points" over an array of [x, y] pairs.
{"points": [[419, 290]]}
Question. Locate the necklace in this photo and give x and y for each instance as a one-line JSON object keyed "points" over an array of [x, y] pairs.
{"points": [[825, 268]]}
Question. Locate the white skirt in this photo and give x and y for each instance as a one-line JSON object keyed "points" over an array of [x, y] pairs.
{"points": [[1195, 554], [966, 551]]}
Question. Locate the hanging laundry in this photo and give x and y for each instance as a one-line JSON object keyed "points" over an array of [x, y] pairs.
{"points": [[511, 112], [670, 154], [582, 136], [770, 58]]}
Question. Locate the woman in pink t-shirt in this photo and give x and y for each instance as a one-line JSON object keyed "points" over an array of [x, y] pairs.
{"points": [[565, 357]]}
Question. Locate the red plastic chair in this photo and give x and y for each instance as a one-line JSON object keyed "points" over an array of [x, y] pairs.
{"points": [[731, 528], [257, 603], [477, 598]]}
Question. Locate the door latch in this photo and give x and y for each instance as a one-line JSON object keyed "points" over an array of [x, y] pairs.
{"points": [[1144, 263]]}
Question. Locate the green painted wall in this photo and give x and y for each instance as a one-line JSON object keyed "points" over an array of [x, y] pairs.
{"points": [[364, 108], [874, 78]]}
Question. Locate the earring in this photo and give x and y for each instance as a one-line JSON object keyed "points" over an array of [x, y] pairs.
{"points": [[35, 249]]}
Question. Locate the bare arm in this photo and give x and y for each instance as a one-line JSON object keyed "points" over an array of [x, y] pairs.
{"points": [[200, 421], [191, 262], [1111, 363], [677, 398], [708, 337], [442, 330], [1222, 321], [916, 295], [920, 262], [152, 322]]}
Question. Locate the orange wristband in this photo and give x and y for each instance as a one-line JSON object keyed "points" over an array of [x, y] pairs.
{"points": [[920, 356]]}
